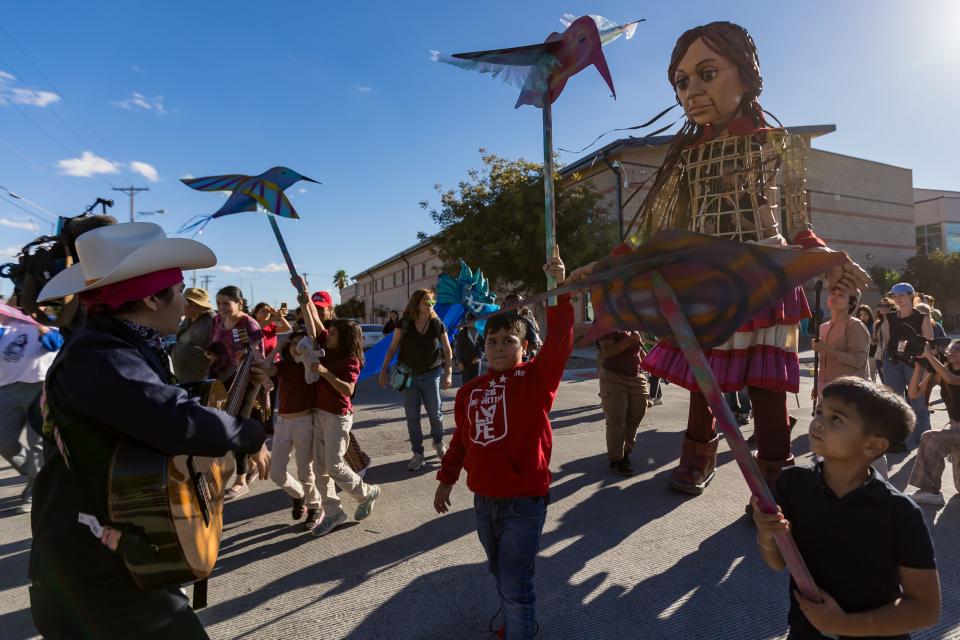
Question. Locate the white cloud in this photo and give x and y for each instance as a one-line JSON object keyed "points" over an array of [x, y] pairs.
{"points": [[87, 165], [271, 267], [363, 88], [27, 225], [12, 94], [187, 176], [146, 170], [139, 101], [9, 252], [302, 190], [138, 69]]}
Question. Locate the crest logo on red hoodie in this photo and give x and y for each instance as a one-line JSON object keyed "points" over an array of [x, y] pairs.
{"points": [[488, 412]]}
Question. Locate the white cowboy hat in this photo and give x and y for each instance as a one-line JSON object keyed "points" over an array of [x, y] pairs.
{"points": [[119, 252]]}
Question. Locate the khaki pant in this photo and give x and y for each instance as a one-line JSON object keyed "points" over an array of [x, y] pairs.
{"points": [[624, 401], [295, 434], [935, 446], [330, 441]]}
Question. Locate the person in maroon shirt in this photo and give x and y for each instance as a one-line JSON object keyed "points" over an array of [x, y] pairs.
{"points": [[272, 323], [503, 439], [339, 370], [623, 395], [294, 433]]}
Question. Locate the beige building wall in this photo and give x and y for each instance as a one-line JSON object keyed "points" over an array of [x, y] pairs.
{"points": [[390, 283]]}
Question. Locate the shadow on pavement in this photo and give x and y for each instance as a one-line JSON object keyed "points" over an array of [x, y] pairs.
{"points": [[707, 586]]}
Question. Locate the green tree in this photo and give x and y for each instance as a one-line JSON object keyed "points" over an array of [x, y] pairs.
{"points": [[494, 221], [934, 273], [883, 278], [351, 308], [340, 279]]}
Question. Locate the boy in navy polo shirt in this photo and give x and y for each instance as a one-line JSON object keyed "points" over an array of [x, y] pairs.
{"points": [[503, 439], [866, 544]]}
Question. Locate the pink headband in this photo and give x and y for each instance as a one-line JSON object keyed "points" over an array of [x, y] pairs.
{"points": [[117, 294]]}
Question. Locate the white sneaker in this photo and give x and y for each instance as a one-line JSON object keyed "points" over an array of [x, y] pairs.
{"points": [[415, 462], [328, 524], [440, 448], [657, 402], [927, 497]]}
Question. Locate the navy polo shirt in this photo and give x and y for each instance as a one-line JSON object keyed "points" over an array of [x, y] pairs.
{"points": [[852, 545]]}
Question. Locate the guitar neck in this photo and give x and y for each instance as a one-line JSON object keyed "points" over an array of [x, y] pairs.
{"points": [[237, 399]]}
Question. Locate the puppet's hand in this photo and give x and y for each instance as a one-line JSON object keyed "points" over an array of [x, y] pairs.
{"points": [[581, 272], [849, 277]]}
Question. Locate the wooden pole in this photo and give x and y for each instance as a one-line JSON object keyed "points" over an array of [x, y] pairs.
{"points": [[549, 202]]}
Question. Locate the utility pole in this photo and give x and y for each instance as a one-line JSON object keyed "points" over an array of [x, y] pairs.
{"points": [[131, 191], [206, 278], [306, 281]]}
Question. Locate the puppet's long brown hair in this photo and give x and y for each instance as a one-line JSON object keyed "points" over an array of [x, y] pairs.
{"points": [[733, 43]]}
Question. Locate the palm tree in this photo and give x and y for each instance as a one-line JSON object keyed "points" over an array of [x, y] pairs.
{"points": [[341, 279]]}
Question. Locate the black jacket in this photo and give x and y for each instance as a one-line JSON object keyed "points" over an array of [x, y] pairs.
{"points": [[108, 384]]}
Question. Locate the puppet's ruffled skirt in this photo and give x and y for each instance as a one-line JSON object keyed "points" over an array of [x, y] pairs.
{"points": [[762, 353]]}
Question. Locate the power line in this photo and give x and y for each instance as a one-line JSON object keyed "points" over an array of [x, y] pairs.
{"points": [[27, 211], [30, 202], [56, 114], [25, 156], [57, 91]]}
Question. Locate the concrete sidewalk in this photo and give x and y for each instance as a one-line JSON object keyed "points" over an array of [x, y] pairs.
{"points": [[621, 558]]}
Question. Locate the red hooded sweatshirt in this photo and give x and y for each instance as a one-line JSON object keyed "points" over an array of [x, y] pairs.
{"points": [[503, 436]]}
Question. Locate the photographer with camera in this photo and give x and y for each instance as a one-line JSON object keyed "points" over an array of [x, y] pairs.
{"points": [[900, 333], [935, 446]]}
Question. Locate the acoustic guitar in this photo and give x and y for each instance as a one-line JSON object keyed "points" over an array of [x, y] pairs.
{"points": [[177, 501]]}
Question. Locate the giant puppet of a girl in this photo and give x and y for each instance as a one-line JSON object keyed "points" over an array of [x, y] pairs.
{"points": [[720, 178]]}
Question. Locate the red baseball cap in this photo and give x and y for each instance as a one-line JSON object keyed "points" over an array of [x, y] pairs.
{"points": [[322, 299]]}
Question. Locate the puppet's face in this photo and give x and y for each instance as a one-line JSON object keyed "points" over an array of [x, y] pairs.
{"points": [[708, 85]]}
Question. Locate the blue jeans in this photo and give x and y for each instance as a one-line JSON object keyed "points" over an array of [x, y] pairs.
{"points": [[738, 401], [424, 388], [509, 530], [896, 375]]}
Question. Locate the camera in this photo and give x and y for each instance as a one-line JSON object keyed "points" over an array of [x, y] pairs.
{"points": [[909, 349]]}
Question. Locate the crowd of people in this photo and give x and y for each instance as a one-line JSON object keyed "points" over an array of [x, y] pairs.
{"points": [[112, 381]]}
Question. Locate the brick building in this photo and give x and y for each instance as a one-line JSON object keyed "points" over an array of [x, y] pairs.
{"points": [[859, 206], [387, 285]]}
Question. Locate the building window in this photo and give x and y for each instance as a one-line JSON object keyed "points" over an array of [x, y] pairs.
{"points": [[930, 237], [423, 270], [394, 279], [412, 276], [952, 237]]}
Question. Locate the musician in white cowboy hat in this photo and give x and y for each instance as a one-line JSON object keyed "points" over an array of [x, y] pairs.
{"points": [[110, 383]]}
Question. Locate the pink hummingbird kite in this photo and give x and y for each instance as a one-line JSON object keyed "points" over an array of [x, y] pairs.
{"points": [[542, 70]]}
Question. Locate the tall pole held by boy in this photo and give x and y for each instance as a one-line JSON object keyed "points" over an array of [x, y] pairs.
{"points": [[670, 307]]}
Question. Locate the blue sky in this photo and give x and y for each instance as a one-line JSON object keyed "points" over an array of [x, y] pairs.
{"points": [[146, 93]]}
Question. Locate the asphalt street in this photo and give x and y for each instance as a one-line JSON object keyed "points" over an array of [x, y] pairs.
{"points": [[620, 558]]}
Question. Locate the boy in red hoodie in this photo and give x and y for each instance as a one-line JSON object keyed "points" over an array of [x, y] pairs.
{"points": [[503, 439]]}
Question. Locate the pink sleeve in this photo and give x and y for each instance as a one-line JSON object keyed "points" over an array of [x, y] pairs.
{"points": [[808, 240]]}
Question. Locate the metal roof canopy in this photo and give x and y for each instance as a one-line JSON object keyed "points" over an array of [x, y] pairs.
{"points": [[813, 131]]}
